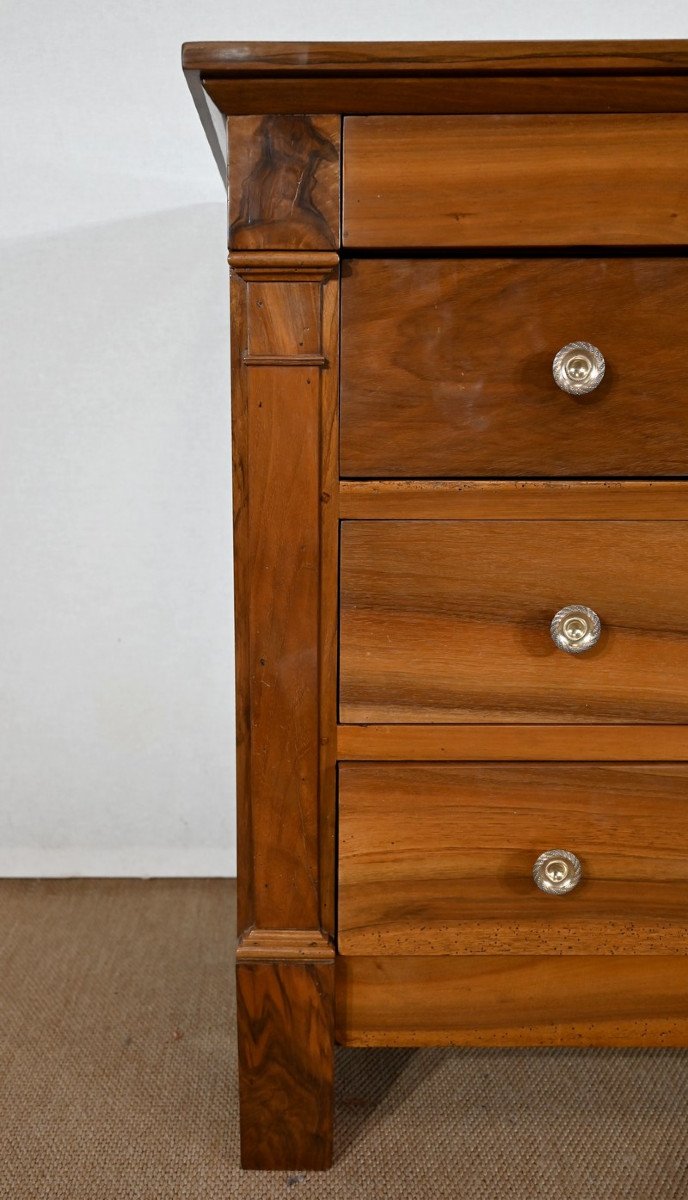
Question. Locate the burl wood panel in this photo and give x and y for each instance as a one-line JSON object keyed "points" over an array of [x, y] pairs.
{"points": [[283, 409], [449, 621], [286, 1060], [515, 180], [447, 367], [512, 1001], [437, 859], [283, 174]]}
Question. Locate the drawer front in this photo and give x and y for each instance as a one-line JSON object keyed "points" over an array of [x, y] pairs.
{"points": [[449, 621], [515, 180], [438, 859], [446, 367]]}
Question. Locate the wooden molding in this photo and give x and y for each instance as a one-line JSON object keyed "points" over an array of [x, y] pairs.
{"points": [[580, 743], [432, 58], [441, 500], [300, 945], [276, 360], [274, 266]]}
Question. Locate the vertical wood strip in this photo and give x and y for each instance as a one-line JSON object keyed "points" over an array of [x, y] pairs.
{"points": [[329, 600], [283, 457], [285, 446]]}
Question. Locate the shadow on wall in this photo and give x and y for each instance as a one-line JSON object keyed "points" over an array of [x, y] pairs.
{"points": [[116, 638]]}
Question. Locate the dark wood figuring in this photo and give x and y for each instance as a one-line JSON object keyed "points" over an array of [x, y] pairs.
{"points": [[447, 367], [513, 743], [438, 859], [283, 182], [475, 499], [512, 1000], [450, 621], [549, 180], [286, 1064]]}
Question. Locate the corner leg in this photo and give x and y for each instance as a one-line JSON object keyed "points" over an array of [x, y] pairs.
{"points": [[286, 1064]]}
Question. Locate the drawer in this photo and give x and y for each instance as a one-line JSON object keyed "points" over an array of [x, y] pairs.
{"points": [[449, 621], [446, 367], [552, 180], [438, 859]]}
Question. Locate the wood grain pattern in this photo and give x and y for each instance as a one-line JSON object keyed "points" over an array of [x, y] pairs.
{"points": [[513, 743], [283, 304], [477, 499], [449, 621], [284, 945], [438, 859], [430, 77], [292, 93], [508, 1000], [329, 606], [277, 416], [551, 180], [437, 58], [286, 1065], [507, 500], [283, 174], [447, 367], [440, 499]]}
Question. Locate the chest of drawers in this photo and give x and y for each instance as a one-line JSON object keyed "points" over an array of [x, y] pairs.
{"points": [[460, 445]]}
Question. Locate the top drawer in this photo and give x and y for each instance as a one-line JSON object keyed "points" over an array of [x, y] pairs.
{"points": [[516, 180]]}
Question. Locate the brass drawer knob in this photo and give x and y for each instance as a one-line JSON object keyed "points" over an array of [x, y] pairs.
{"points": [[557, 872], [578, 368], [575, 628]]}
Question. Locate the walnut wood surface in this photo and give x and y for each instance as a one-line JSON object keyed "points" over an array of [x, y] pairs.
{"points": [[283, 174], [285, 307], [587, 743], [478, 499], [449, 621], [435, 58], [290, 93], [512, 1000], [433, 77], [438, 859], [286, 1064], [278, 415], [447, 367], [552, 180]]}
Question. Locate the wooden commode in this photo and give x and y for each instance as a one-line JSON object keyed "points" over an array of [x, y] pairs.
{"points": [[460, 443]]}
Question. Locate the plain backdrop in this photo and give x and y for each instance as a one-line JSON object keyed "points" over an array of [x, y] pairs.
{"points": [[116, 661]]}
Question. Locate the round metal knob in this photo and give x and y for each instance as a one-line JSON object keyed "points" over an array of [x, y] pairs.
{"points": [[575, 628], [557, 872], [578, 368]]}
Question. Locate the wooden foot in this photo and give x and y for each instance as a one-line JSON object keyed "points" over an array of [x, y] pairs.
{"points": [[286, 1064]]}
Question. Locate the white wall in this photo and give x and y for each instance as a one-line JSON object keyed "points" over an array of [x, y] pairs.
{"points": [[116, 693]]}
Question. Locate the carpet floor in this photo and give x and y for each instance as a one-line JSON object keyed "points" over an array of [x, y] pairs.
{"points": [[118, 1077]]}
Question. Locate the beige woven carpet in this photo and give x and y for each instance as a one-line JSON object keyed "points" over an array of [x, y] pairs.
{"points": [[118, 1077]]}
